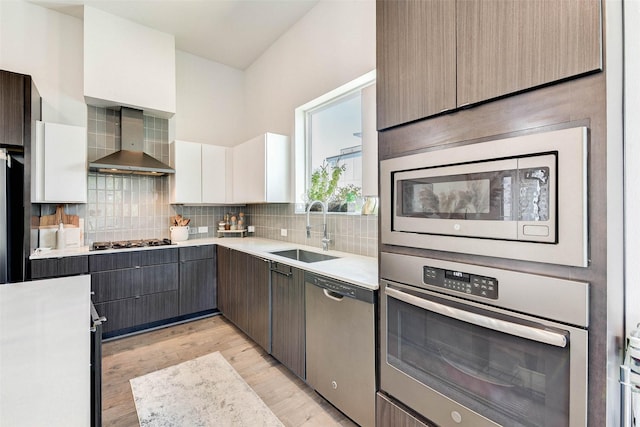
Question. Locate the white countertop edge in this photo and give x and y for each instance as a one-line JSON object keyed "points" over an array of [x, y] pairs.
{"points": [[356, 269]]}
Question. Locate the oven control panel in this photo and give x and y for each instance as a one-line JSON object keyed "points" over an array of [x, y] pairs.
{"points": [[459, 281]]}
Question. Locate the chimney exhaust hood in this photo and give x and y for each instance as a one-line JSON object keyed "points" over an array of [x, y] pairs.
{"points": [[131, 159]]}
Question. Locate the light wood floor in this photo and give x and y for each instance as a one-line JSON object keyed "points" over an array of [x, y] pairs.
{"points": [[289, 398]]}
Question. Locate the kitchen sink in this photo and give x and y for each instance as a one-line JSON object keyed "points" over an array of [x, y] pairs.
{"points": [[304, 256]]}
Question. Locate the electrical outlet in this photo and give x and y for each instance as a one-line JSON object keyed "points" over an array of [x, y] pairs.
{"points": [[283, 232], [193, 230], [204, 229]]}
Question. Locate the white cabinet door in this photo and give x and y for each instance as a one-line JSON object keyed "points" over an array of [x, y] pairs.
{"points": [[186, 183], [369, 142], [261, 170], [214, 174], [59, 162]]}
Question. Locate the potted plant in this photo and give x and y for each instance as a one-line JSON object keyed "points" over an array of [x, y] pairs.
{"points": [[324, 182], [347, 197]]}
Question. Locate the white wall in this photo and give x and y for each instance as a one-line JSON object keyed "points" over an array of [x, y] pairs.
{"points": [[331, 45], [48, 46], [209, 101]]}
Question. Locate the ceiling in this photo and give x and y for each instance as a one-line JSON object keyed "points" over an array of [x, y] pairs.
{"points": [[231, 32]]}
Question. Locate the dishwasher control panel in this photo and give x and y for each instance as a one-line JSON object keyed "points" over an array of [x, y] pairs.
{"points": [[341, 288], [334, 286]]}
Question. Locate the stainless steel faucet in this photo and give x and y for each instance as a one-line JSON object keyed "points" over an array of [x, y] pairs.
{"points": [[325, 236]]}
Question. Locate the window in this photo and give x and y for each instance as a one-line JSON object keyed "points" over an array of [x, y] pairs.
{"points": [[329, 148]]}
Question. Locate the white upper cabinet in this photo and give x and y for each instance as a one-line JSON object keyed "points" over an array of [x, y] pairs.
{"points": [[216, 176], [262, 170], [59, 164], [185, 185], [201, 173], [127, 64]]}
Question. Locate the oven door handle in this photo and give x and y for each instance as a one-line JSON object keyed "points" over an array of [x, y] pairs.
{"points": [[522, 331]]}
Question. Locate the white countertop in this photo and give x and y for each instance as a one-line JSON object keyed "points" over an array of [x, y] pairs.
{"points": [[357, 269], [45, 352]]}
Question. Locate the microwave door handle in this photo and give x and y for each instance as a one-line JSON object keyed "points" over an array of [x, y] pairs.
{"points": [[523, 331]]}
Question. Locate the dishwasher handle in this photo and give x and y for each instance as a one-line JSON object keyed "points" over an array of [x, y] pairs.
{"points": [[333, 295]]}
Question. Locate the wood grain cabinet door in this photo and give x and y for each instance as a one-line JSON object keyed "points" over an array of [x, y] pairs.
{"points": [[416, 59], [11, 108], [224, 278], [287, 318], [505, 46], [197, 285], [258, 300]]}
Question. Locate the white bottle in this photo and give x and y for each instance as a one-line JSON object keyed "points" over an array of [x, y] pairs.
{"points": [[60, 240]]}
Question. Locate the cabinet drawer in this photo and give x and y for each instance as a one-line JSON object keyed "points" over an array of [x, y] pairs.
{"points": [[129, 259], [105, 262], [120, 314], [157, 256], [58, 267], [136, 311], [160, 306], [43, 268], [71, 266], [159, 278], [116, 284], [197, 252]]}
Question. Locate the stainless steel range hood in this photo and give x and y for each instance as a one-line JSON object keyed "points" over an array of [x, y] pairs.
{"points": [[131, 159]]}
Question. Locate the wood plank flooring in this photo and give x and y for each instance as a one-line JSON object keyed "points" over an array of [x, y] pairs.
{"points": [[295, 403]]}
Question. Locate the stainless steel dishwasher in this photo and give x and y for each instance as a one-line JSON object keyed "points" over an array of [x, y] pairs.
{"points": [[340, 345]]}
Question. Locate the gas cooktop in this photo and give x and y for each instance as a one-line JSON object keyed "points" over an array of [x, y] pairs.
{"points": [[128, 244]]}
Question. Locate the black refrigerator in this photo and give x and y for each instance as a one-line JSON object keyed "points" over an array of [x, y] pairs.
{"points": [[20, 108], [11, 217]]}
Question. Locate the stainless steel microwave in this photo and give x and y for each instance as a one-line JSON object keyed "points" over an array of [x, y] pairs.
{"points": [[523, 197]]}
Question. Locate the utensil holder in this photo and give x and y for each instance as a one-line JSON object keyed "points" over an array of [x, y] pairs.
{"points": [[179, 234]]}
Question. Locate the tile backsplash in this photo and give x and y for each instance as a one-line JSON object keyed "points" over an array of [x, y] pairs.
{"points": [[123, 207]]}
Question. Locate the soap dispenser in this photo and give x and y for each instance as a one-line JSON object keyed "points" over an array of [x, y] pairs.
{"points": [[60, 240]]}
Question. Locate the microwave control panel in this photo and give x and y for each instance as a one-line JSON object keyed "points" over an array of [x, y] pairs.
{"points": [[459, 281]]}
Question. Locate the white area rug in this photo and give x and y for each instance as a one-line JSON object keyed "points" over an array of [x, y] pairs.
{"points": [[202, 392]]}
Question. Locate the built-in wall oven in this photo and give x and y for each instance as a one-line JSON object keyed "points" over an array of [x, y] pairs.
{"points": [[468, 345], [521, 197]]}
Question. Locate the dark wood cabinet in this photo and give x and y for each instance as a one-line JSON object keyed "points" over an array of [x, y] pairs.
{"points": [[440, 55], [257, 282], [223, 263], [197, 279], [505, 47], [244, 293], [416, 59], [12, 108], [288, 317], [134, 288], [59, 267]]}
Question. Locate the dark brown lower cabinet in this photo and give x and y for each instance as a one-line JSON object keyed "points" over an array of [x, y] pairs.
{"points": [[135, 288], [223, 261], [197, 279], [59, 267], [288, 317], [258, 301], [392, 414], [243, 296]]}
